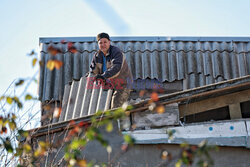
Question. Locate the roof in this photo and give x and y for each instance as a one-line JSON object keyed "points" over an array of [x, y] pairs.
{"points": [[196, 60]]}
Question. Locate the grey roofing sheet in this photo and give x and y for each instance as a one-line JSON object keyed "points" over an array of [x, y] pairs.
{"points": [[199, 60], [80, 100]]}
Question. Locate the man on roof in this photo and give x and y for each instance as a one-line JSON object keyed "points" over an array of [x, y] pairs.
{"points": [[110, 66]]}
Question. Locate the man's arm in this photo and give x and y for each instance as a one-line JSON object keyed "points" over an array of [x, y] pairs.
{"points": [[93, 66]]}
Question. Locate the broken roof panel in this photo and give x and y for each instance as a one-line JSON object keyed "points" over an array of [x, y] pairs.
{"points": [[198, 60], [82, 98]]}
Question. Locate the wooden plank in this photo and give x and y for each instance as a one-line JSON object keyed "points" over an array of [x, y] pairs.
{"points": [[153, 119], [227, 129], [213, 103], [231, 133], [235, 111]]}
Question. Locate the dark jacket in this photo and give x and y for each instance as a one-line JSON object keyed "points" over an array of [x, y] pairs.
{"points": [[117, 66]]}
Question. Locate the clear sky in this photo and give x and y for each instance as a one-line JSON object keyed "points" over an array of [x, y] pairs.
{"points": [[24, 21]]}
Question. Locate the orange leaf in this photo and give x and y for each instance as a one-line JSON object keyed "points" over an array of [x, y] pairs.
{"points": [[34, 62], [73, 50], [63, 41], [71, 133], [4, 130], [82, 163], [71, 47], [58, 64], [51, 65], [160, 109], [53, 51], [72, 122], [124, 147], [150, 101], [154, 96], [70, 44], [81, 124], [76, 129]]}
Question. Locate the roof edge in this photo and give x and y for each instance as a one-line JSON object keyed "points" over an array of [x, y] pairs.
{"points": [[145, 38]]}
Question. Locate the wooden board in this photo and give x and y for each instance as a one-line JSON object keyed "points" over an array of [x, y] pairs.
{"points": [[153, 119], [227, 133], [214, 102], [235, 111]]}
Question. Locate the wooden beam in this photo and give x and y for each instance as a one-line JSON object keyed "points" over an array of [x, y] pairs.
{"points": [[153, 119], [213, 103], [235, 111], [215, 90]]}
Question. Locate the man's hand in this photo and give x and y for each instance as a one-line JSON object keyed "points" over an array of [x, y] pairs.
{"points": [[106, 83], [100, 78]]}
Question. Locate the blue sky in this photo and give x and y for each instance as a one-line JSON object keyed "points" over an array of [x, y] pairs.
{"points": [[23, 22]]}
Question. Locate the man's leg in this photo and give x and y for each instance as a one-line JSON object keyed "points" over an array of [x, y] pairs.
{"points": [[119, 97]]}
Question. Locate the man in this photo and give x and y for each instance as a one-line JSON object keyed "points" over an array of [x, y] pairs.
{"points": [[110, 65]]}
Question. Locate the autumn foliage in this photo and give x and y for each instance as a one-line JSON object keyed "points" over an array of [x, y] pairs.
{"points": [[78, 134]]}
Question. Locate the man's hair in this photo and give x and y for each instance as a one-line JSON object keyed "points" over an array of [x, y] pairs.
{"points": [[102, 35]]}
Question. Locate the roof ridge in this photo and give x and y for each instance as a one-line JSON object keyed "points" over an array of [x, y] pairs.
{"points": [[147, 38]]}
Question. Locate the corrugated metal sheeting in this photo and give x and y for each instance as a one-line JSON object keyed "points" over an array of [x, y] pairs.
{"points": [[83, 98], [198, 61]]}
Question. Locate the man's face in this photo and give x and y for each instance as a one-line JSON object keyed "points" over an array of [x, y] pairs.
{"points": [[104, 45]]}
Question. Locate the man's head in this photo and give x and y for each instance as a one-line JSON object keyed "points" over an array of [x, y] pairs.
{"points": [[103, 42]]}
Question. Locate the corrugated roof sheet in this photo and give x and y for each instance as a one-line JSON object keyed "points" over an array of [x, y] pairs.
{"points": [[199, 60], [80, 100]]}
